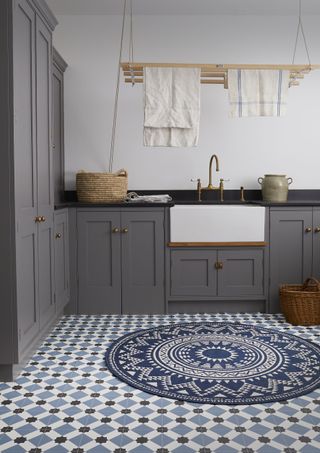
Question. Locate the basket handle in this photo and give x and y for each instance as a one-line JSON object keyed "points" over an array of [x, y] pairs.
{"points": [[313, 281], [122, 172]]}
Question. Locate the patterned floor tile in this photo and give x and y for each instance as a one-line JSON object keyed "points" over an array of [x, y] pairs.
{"points": [[65, 400]]}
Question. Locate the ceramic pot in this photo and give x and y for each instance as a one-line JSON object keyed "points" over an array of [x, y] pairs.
{"points": [[275, 187]]}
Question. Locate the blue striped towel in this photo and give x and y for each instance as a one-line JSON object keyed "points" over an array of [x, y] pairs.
{"points": [[258, 92]]}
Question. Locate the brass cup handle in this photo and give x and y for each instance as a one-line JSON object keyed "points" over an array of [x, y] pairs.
{"points": [[308, 230], [115, 230], [58, 236], [317, 230], [124, 230]]}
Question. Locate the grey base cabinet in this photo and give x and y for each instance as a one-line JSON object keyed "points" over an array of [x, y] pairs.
{"points": [[120, 261], [294, 248], [210, 275], [61, 259]]}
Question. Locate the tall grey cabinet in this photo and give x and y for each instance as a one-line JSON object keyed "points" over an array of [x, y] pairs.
{"points": [[26, 186], [58, 69]]}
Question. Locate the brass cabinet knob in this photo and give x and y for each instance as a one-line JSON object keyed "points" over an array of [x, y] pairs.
{"points": [[308, 230], [115, 230], [37, 219], [58, 236], [125, 230], [43, 219], [317, 230], [218, 265]]}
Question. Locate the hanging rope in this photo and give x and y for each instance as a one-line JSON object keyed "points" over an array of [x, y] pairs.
{"points": [[300, 27], [131, 47], [115, 109]]}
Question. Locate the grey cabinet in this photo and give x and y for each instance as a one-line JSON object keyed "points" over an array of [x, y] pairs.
{"points": [[27, 191], [211, 273], [99, 262], [61, 259], [142, 261], [58, 70], [294, 248], [121, 261]]}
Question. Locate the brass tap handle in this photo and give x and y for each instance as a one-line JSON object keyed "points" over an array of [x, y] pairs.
{"points": [[221, 188], [317, 230], [308, 230], [58, 236], [199, 187], [115, 230], [124, 230], [242, 194]]}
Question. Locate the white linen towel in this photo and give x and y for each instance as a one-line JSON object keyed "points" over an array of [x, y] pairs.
{"points": [[261, 92], [171, 106]]}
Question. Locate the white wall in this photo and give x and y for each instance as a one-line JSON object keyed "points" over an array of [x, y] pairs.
{"points": [[247, 147]]}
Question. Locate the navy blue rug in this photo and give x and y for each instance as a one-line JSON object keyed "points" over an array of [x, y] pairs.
{"points": [[216, 363]]}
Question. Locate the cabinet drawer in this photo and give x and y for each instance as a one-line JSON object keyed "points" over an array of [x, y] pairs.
{"points": [[241, 273], [193, 273]]}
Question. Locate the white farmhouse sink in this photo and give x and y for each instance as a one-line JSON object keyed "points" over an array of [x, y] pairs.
{"points": [[207, 223]]}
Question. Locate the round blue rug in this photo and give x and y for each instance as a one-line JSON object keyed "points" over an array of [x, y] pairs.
{"points": [[217, 363]]}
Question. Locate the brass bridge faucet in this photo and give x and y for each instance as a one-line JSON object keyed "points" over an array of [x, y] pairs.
{"points": [[210, 186]]}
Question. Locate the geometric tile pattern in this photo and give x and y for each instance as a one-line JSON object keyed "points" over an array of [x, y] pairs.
{"points": [[66, 401]]}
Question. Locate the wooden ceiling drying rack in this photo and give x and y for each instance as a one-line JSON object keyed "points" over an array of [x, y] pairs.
{"points": [[216, 74]]}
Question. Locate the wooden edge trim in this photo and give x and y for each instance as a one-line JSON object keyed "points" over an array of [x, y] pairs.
{"points": [[217, 244]]}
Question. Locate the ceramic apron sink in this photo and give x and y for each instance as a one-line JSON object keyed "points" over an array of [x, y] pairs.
{"points": [[207, 223]]}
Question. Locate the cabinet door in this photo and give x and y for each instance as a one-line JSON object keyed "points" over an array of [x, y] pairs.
{"points": [[61, 259], [25, 172], [57, 135], [99, 269], [316, 243], [142, 262], [241, 273], [290, 250], [44, 172], [193, 272]]}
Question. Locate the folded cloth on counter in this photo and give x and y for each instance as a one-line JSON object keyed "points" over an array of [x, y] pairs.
{"points": [[171, 106], [257, 92], [134, 197]]}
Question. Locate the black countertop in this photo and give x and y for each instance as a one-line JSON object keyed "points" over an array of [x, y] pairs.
{"points": [[253, 197]]}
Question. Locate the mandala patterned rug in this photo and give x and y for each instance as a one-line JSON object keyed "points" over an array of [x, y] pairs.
{"points": [[217, 363]]}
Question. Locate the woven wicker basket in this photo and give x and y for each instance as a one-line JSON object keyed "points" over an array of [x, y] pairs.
{"points": [[300, 304], [102, 187]]}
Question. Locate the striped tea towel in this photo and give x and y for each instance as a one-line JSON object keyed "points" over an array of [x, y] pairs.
{"points": [[258, 92]]}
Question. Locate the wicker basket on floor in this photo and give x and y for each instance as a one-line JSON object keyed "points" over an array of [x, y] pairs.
{"points": [[300, 304], [102, 187]]}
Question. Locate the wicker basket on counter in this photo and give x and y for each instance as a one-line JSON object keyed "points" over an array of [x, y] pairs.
{"points": [[102, 187], [300, 304]]}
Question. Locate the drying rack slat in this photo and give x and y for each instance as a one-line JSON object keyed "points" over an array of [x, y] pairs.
{"points": [[215, 74]]}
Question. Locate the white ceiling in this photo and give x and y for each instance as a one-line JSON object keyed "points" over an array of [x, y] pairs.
{"points": [[264, 7]]}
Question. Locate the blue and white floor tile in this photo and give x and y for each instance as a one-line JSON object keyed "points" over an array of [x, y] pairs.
{"points": [[66, 401]]}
